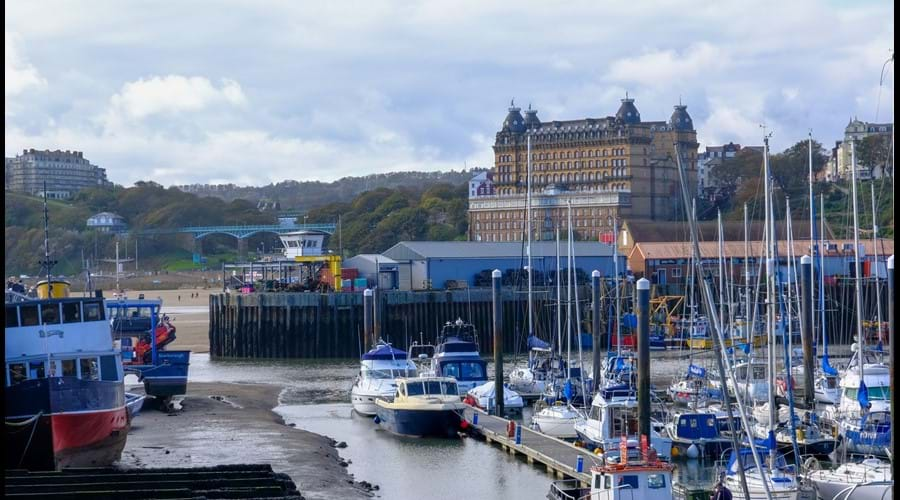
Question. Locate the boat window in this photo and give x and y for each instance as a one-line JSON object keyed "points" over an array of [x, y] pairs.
{"points": [[607, 482], [49, 314], [89, 369], [68, 368], [450, 370], [109, 369], [655, 481], [29, 315], [93, 311], [433, 387], [71, 312], [472, 370], [629, 481], [36, 370], [449, 388], [12, 316], [595, 413], [878, 393], [16, 373], [415, 388], [598, 481], [759, 372], [740, 372]]}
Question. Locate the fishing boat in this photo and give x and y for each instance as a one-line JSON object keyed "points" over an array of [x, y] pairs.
{"points": [[484, 397], [422, 407], [142, 333], [646, 478], [456, 356], [65, 392], [870, 479], [378, 369]]}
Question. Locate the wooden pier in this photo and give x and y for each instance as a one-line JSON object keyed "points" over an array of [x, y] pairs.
{"points": [[558, 456]]}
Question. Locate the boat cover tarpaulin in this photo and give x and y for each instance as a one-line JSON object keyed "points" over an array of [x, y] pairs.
{"points": [[536, 343], [383, 351]]}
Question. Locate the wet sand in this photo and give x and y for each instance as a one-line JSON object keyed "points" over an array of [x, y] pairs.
{"points": [[233, 424]]}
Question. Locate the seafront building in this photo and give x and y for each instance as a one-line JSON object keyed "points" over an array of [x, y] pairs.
{"points": [[607, 168], [65, 173], [841, 159]]}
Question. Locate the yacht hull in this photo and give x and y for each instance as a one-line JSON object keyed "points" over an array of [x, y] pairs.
{"points": [[834, 490], [419, 422]]}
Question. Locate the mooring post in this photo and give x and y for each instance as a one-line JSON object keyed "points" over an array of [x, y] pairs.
{"points": [[806, 333], [367, 320], [595, 324], [643, 339], [498, 340]]}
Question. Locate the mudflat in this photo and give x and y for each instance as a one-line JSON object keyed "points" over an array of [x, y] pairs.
{"points": [[223, 423]]}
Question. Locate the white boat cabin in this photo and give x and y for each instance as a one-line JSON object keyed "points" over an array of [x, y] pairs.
{"points": [[651, 481]]}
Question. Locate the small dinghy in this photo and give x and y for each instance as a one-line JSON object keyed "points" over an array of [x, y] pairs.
{"points": [[484, 397], [134, 403]]}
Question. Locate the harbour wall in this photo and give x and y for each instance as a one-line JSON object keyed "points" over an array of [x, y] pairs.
{"points": [[330, 325]]}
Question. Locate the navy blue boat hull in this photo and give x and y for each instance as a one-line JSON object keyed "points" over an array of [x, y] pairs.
{"points": [[419, 423]]}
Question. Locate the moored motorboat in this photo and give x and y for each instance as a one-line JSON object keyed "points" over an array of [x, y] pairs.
{"points": [[456, 356], [422, 407], [134, 403], [377, 370]]}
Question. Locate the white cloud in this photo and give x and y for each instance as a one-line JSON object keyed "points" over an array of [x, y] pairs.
{"points": [[173, 94], [333, 89], [19, 75]]}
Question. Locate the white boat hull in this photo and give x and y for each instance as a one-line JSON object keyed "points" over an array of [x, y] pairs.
{"points": [[834, 490], [558, 424]]}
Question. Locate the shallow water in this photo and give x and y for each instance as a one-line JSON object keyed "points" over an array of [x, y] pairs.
{"points": [[315, 398]]}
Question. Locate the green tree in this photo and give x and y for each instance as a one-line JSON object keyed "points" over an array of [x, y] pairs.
{"points": [[874, 153]]}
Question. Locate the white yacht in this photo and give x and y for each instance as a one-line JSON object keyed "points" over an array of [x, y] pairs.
{"points": [[780, 479], [422, 407], [613, 414], [378, 370], [556, 420], [870, 479], [865, 431]]}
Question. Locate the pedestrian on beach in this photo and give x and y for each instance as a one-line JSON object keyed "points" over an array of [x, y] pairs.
{"points": [[179, 298]]}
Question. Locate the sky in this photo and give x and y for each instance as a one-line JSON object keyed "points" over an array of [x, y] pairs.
{"points": [[255, 92]]}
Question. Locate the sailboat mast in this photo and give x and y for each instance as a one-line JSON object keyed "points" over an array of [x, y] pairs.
{"points": [[47, 241], [771, 299], [528, 229], [822, 274], [558, 296], [812, 233], [747, 312], [569, 294], [875, 262], [721, 270], [616, 284], [859, 330]]}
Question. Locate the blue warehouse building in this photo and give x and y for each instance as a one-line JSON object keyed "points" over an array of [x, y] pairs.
{"points": [[424, 265]]}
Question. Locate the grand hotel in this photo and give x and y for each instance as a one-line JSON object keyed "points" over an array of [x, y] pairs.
{"points": [[609, 169]]}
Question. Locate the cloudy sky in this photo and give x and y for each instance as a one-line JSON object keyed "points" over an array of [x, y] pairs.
{"points": [[253, 92]]}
